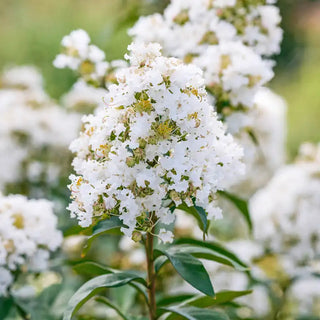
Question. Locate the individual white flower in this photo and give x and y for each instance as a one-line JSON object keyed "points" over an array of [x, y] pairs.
{"points": [[28, 233], [286, 213], [165, 236], [181, 152], [87, 59]]}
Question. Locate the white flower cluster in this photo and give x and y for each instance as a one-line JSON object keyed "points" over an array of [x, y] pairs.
{"points": [[187, 27], [286, 213], [28, 232], [34, 132], [158, 138], [87, 59], [225, 39]]}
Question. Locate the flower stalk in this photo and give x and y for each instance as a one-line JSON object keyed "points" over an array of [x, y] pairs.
{"points": [[151, 280]]}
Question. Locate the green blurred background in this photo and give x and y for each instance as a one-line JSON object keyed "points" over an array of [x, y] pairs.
{"points": [[31, 31]]}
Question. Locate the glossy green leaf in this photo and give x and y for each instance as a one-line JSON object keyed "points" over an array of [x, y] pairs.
{"points": [[165, 301], [191, 270], [193, 313], [210, 251], [92, 268], [160, 262], [199, 213], [220, 298], [93, 286], [241, 205], [102, 227]]}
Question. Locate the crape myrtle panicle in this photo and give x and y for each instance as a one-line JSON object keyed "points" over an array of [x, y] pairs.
{"points": [[157, 141], [229, 40]]}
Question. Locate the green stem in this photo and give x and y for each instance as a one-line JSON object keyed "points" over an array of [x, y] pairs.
{"points": [[151, 276]]}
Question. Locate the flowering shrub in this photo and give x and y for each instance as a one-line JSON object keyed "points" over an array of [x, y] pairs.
{"points": [[179, 134]]}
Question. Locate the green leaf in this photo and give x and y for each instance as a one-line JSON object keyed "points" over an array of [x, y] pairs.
{"points": [[93, 286], [241, 205], [199, 213], [160, 262], [92, 268], [6, 304], [112, 306], [191, 270], [220, 298], [165, 301], [102, 227], [210, 251], [193, 313]]}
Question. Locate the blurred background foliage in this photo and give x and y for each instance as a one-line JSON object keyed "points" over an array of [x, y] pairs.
{"points": [[31, 31]]}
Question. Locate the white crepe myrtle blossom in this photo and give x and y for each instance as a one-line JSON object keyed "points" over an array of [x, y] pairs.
{"points": [[34, 131], [286, 212], [233, 75], [157, 138], [78, 54], [233, 70], [28, 233], [187, 28]]}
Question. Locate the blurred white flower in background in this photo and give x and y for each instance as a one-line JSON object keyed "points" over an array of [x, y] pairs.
{"points": [[34, 131], [265, 152], [286, 212], [304, 296], [28, 233]]}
